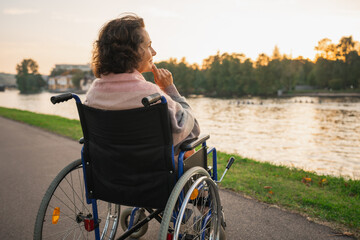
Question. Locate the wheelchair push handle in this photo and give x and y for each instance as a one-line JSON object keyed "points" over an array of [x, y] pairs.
{"points": [[153, 98], [61, 98], [228, 166], [231, 161]]}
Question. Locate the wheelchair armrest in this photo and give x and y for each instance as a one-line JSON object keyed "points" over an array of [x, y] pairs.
{"points": [[189, 145]]}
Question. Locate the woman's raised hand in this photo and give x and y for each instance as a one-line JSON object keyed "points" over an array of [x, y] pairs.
{"points": [[163, 77]]}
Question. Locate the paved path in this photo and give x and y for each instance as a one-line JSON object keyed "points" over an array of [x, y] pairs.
{"points": [[30, 158]]}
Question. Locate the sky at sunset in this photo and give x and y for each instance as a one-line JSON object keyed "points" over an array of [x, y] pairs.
{"points": [[57, 32]]}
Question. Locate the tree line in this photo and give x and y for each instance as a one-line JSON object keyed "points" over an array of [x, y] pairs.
{"points": [[336, 67]]}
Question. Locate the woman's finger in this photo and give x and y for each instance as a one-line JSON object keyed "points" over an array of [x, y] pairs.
{"points": [[155, 71], [164, 72]]}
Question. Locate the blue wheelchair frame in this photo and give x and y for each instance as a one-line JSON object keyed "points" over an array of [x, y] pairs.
{"points": [[213, 174]]}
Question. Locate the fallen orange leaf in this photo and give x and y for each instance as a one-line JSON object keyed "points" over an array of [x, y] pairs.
{"points": [[306, 180], [322, 182]]}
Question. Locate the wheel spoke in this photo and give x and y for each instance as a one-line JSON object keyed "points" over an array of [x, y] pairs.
{"points": [[58, 233], [67, 192], [193, 207], [75, 193]]}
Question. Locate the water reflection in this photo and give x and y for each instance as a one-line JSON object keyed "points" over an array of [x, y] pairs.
{"points": [[315, 134], [38, 103], [320, 135]]}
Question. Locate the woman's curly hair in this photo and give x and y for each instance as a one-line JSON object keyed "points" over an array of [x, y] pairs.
{"points": [[117, 49]]}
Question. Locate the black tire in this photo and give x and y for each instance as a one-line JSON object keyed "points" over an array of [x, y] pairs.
{"points": [[198, 212], [125, 218], [67, 192], [222, 233]]}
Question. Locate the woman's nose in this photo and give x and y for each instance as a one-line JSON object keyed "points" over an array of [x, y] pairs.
{"points": [[153, 52]]}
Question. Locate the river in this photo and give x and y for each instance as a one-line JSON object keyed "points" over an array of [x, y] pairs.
{"points": [[315, 134]]}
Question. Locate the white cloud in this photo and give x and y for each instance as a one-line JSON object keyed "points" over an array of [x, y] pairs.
{"points": [[18, 11]]}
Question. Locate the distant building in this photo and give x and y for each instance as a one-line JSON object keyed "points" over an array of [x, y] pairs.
{"points": [[60, 83], [82, 67], [7, 80], [63, 82], [86, 83]]}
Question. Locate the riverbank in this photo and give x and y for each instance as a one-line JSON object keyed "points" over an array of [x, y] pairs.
{"points": [[313, 93], [328, 95], [327, 198]]}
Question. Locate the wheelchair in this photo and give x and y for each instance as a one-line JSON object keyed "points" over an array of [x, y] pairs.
{"points": [[128, 159]]}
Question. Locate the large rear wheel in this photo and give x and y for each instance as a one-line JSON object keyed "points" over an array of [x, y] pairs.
{"points": [[64, 213]]}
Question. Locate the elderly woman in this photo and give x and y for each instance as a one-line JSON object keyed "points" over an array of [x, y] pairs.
{"points": [[122, 52]]}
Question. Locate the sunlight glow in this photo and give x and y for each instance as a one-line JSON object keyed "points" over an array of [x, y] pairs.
{"points": [[54, 33]]}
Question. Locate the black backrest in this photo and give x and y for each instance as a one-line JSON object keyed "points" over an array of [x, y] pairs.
{"points": [[128, 155]]}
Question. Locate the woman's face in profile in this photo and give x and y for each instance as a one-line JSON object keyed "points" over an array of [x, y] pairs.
{"points": [[147, 53]]}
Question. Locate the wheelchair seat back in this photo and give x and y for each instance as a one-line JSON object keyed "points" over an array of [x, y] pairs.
{"points": [[128, 155]]}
